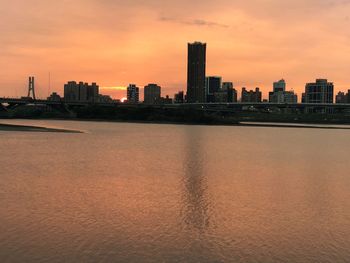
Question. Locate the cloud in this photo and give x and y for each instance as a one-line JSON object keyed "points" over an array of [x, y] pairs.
{"points": [[113, 88], [193, 22]]}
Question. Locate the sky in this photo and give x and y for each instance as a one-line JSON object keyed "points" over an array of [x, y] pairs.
{"points": [[112, 42]]}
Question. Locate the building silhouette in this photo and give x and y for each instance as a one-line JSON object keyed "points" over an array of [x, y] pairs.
{"points": [[320, 91], [226, 94], [105, 99], [220, 97], [280, 95], [303, 97], [343, 97], [81, 92], [230, 91], [54, 97], [227, 85], [152, 94], [196, 65], [279, 86], [166, 100], [251, 95], [132, 94], [179, 97], [212, 86], [283, 97]]}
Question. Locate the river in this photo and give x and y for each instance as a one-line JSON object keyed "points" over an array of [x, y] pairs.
{"points": [[124, 192]]}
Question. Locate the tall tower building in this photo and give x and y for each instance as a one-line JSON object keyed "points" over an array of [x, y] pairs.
{"points": [[196, 61]]}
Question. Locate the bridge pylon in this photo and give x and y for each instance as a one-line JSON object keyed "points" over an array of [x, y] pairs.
{"points": [[31, 88]]}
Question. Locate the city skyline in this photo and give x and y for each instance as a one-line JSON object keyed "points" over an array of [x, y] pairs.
{"points": [[201, 88], [115, 44]]}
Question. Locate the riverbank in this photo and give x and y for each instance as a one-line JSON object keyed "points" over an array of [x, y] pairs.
{"points": [[316, 125], [185, 116], [26, 128], [34, 128], [295, 125]]}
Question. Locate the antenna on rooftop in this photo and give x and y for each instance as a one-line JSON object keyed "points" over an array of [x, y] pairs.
{"points": [[49, 89]]}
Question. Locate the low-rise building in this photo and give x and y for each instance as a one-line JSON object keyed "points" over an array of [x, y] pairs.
{"points": [[343, 97], [105, 99], [166, 100], [283, 97], [179, 97], [54, 97]]}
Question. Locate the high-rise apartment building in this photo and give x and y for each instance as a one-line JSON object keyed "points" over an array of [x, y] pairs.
{"points": [[280, 95], [152, 94], [279, 86], [212, 86], [320, 91], [132, 94], [81, 92], [196, 64]]}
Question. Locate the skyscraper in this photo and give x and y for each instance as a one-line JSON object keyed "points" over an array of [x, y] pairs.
{"points": [[196, 72]]}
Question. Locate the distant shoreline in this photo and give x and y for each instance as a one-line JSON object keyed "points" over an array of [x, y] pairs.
{"points": [[30, 128], [182, 116], [295, 125], [238, 124]]}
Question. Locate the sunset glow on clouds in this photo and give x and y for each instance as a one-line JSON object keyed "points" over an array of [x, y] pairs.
{"points": [[114, 43]]}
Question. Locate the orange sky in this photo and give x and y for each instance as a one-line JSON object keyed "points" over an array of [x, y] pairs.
{"points": [[114, 43]]}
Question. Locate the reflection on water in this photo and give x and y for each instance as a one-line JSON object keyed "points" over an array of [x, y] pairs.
{"points": [[196, 203], [172, 193]]}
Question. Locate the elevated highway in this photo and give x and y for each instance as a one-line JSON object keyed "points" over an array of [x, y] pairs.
{"points": [[218, 107]]}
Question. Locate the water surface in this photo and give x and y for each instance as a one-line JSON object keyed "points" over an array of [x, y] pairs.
{"points": [[172, 193]]}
